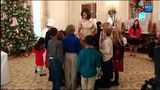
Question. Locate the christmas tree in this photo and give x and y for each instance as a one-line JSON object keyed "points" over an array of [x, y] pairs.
{"points": [[17, 35]]}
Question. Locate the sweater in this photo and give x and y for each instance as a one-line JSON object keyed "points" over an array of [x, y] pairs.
{"points": [[89, 60]]}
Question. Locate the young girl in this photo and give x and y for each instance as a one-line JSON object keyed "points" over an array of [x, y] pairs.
{"points": [[118, 55], [39, 50]]}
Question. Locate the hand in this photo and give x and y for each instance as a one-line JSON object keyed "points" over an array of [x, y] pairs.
{"points": [[80, 36], [100, 46], [63, 66], [117, 60], [134, 36]]}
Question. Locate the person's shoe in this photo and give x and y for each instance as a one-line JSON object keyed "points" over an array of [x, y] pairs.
{"points": [[43, 74], [114, 83], [63, 83], [134, 55], [35, 71], [49, 79]]}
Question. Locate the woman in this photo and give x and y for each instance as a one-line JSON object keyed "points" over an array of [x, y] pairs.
{"points": [[86, 26], [134, 33]]}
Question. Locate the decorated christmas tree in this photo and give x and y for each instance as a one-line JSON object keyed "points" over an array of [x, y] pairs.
{"points": [[17, 35]]}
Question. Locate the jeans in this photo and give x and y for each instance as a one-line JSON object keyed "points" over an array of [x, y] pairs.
{"points": [[56, 73]]}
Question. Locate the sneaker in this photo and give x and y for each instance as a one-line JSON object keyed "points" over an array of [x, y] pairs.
{"points": [[43, 74]]}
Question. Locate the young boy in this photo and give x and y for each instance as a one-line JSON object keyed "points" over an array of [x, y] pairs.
{"points": [[89, 60], [107, 52], [55, 53]]}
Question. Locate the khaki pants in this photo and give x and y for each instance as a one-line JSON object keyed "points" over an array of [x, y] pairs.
{"points": [[71, 70], [88, 83]]}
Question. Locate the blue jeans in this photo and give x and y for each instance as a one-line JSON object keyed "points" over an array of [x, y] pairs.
{"points": [[56, 73]]}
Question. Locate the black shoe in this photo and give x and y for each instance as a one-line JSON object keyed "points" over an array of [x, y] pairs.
{"points": [[43, 74], [49, 79], [35, 71], [63, 84], [114, 83]]}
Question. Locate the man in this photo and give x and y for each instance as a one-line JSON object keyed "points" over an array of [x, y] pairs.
{"points": [[50, 24]]}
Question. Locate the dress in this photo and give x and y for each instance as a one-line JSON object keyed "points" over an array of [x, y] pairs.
{"points": [[87, 27], [39, 57], [118, 54], [137, 33]]}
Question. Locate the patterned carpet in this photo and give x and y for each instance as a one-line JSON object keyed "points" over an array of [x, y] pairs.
{"points": [[136, 70]]}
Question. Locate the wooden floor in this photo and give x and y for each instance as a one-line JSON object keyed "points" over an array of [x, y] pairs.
{"points": [[136, 70]]}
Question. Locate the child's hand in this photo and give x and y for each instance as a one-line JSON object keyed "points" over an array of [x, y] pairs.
{"points": [[100, 46], [117, 60], [63, 66]]}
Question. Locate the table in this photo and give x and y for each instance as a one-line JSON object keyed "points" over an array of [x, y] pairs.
{"points": [[5, 78]]}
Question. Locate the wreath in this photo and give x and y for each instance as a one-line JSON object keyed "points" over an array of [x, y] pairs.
{"points": [[135, 5]]}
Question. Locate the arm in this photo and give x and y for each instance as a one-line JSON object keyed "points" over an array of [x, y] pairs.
{"points": [[79, 62], [60, 52], [43, 50], [131, 32], [94, 30], [139, 33], [98, 60], [78, 46], [79, 30]]}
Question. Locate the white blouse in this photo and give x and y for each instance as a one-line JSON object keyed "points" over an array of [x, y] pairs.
{"points": [[87, 27]]}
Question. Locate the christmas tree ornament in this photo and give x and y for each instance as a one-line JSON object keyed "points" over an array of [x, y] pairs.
{"points": [[25, 5], [14, 21]]}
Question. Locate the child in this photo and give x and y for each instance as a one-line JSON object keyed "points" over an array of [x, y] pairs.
{"points": [[72, 47], [56, 59], [89, 60], [39, 50], [123, 38], [106, 49], [118, 55]]}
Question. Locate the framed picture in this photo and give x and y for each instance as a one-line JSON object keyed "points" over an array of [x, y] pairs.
{"points": [[92, 7]]}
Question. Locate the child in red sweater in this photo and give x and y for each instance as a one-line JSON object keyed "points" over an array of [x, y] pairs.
{"points": [[38, 51]]}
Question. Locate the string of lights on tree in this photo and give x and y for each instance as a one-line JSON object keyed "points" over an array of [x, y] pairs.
{"points": [[138, 5], [17, 35]]}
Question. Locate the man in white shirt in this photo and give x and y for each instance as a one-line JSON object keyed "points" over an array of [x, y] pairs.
{"points": [[50, 24]]}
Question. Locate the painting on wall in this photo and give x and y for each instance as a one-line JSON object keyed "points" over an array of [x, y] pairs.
{"points": [[91, 7]]}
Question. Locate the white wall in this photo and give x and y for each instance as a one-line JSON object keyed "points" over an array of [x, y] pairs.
{"points": [[156, 11], [58, 10], [37, 17], [68, 12], [74, 10]]}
